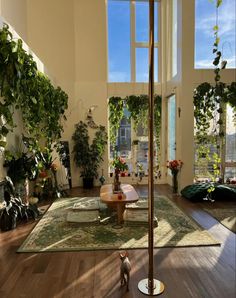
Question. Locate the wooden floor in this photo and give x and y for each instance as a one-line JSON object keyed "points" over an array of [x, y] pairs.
{"points": [[186, 272]]}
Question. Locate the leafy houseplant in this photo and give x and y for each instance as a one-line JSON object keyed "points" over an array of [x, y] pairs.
{"points": [[23, 87], [88, 156], [21, 168]]}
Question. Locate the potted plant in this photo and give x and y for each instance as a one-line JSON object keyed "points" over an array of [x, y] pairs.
{"points": [[88, 156], [21, 168]]}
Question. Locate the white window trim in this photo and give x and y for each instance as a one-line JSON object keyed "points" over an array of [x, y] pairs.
{"points": [[134, 45]]}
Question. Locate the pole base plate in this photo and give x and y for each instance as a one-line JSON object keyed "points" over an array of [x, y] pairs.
{"points": [[157, 290]]}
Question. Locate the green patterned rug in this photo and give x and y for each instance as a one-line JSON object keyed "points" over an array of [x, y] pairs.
{"points": [[54, 233], [226, 216]]}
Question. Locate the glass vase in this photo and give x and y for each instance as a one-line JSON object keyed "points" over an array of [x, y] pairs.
{"points": [[175, 183], [116, 184]]}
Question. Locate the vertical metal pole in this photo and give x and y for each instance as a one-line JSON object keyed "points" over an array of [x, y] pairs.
{"points": [[150, 143], [151, 286]]}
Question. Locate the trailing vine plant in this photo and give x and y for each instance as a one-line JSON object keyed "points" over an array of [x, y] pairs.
{"points": [[24, 88], [116, 113], [137, 105], [210, 107]]}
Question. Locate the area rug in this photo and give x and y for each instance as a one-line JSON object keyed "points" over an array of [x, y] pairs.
{"points": [[226, 216], [54, 233]]}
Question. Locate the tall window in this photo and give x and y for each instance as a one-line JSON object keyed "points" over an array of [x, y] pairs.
{"points": [[132, 145], [230, 145], [174, 37], [128, 126], [204, 159], [205, 20], [128, 28]]}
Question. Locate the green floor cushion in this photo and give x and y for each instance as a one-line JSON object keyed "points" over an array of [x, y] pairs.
{"points": [[198, 191], [224, 192], [195, 192]]}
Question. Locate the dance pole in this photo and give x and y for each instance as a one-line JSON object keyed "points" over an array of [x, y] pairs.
{"points": [[151, 286]]}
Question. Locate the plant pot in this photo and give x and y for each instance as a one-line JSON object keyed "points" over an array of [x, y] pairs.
{"points": [[87, 183]]}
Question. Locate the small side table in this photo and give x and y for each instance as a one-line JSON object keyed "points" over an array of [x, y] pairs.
{"points": [[129, 195]]}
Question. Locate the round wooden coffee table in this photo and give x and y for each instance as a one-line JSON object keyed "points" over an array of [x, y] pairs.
{"points": [[116, 200]]}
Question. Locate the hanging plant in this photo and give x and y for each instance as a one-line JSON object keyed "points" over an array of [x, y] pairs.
{"points": [[138, 108], [137, 105], [116, 113]]}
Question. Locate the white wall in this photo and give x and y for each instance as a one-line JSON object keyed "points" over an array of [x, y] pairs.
{"points": [[15, 13], [90, 66]]}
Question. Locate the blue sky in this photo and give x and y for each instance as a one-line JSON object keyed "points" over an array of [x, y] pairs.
{"points": [[204, 35], [119, 37]]}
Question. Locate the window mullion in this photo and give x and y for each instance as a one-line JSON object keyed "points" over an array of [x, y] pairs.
{"points": [[132, 41]]}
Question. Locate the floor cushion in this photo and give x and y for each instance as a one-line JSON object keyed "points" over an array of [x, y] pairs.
{"points": [[198, 191], [195, 192], [224, 192]]}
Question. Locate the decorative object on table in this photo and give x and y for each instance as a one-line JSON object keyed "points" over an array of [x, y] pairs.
{"points": [[119, 165], [174, 166]]}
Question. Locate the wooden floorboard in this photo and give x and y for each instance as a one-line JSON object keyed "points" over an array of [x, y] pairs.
{"points": [[186, 272]]}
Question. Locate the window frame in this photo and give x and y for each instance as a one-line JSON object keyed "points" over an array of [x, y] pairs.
{"points": [[134, 44]]}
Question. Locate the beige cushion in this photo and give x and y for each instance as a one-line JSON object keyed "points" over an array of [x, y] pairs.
{"points": [[136, 216], [83, 217], [86, 204]]}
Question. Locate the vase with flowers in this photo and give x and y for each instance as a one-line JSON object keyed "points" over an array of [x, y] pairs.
{"points": [[174, 166], [119, 164]]}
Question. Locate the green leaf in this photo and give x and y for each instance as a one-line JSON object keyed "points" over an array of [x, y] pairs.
{"points": [[34, 100], [218, 4], [3, 144]]}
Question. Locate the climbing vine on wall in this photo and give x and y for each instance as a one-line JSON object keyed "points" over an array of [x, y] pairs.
{"points": [[24, 88]]}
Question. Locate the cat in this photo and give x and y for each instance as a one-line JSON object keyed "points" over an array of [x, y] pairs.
{"points": [[125, 268]]}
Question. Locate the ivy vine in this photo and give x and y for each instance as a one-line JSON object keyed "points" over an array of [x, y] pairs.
{"points": [[24, 88], [137, 105], [116, 113], [210, 106]]}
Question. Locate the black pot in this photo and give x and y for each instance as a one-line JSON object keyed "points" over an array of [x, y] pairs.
{"points": [[87, 183]]}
